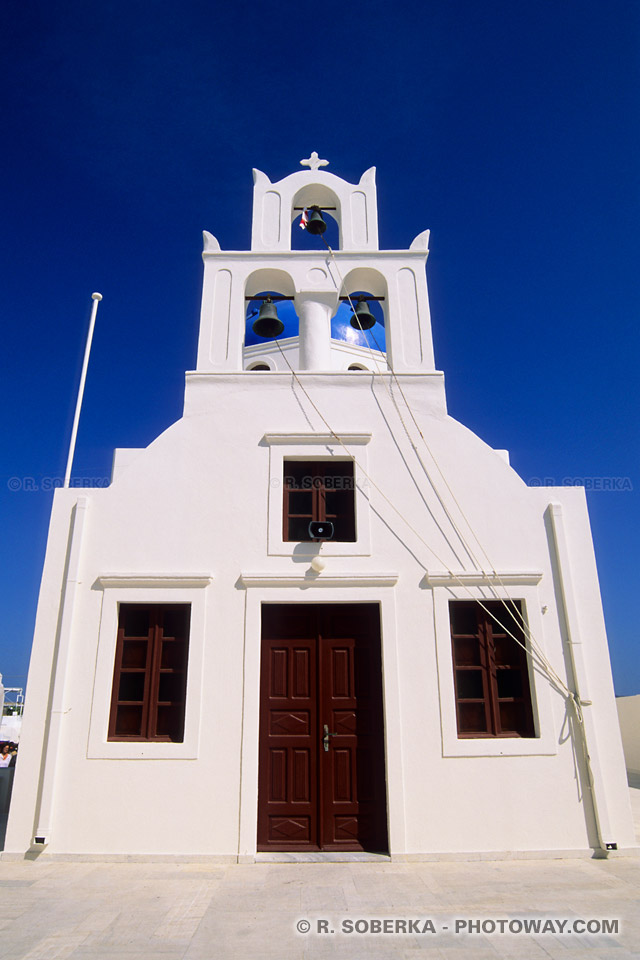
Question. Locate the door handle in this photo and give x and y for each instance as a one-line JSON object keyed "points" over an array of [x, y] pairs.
{"points": [[325, 739]]}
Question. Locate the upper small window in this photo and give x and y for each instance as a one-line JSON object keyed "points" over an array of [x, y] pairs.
{"points": [[319, 491], [150, 674], [493, 698]]}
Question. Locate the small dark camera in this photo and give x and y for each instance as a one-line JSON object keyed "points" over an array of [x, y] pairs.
{"points": [[321, 530]]}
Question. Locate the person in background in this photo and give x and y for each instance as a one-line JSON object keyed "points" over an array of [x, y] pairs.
{"points": [[5, 755]]}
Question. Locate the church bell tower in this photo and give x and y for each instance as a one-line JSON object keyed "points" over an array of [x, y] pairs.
{"points": [[315, 289]]}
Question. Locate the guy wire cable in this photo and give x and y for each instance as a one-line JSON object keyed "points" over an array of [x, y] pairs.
{"points": [[533, 651], [534, 647], [512, 609]]}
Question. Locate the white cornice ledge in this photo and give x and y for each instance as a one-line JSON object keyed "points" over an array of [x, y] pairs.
{"points": [[478, 578], [154, 580], [305, 255], [319, 580], [316, 438]]}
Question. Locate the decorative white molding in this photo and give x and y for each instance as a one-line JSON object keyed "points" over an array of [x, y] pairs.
{"points": [[349, 258], [368, 177], [154, 580], [421, 242], [210, 243], [314, 376], [478, 578], [260, 177], [314, 161], [319, 580], [316, 438]]}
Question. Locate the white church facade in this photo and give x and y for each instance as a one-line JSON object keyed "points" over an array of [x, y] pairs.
{"points": [[317, 615]]}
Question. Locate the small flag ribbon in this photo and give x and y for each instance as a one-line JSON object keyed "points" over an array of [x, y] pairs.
{"points": [[304, 218]]}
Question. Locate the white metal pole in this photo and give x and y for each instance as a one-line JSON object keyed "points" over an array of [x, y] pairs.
{"points": [[96, 297]]}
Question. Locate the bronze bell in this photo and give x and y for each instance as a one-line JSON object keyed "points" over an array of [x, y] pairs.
{"points": [[362, 319], [315, 221], [268, 324]]}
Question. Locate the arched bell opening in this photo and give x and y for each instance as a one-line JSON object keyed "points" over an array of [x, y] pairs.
{"points": [[270, 315], [363, 326], [269, 307], [315, 219], [362, 317], [357, 366], [303, 239]]}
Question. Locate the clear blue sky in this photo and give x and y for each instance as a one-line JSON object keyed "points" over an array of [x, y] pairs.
{"points": [[509, 129]]}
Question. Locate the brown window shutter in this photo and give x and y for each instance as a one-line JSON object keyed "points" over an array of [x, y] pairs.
{"points": [[491, 676], [148, 698], [318, 490]]}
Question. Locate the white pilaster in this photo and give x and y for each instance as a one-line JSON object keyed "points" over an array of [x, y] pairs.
{"points": [[315, 311]]}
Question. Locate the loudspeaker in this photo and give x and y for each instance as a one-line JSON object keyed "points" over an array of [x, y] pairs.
{"points": [[321, 529]]}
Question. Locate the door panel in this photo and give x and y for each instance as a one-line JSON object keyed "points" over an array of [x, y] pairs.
{"points": [[321, 666]]}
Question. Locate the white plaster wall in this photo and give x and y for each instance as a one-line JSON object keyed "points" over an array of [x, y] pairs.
{"points": [[195, 502], [629, 717]]}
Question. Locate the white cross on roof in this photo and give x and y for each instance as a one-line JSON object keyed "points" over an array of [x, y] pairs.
{"points": [[314, 162]]}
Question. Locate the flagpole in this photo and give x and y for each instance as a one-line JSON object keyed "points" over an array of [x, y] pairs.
{"points": [[96, 297]]}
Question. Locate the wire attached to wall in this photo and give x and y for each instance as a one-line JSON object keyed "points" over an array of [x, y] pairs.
{"points": [[511, 608], [532, 648]]}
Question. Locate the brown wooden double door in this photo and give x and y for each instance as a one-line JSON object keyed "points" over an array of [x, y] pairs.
{"points": [[322, 782]]}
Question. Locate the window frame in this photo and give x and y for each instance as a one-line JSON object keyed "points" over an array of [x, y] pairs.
{"points": [[488, 667], [151, 673], [116, 588], [315, 471], [317, 447], [442, 586]]}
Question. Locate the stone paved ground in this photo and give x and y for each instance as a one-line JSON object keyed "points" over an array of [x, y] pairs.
{"points": [[188, 911]]}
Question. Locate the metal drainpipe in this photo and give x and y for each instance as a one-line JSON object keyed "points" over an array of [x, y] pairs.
{"points": [[578, 669]]}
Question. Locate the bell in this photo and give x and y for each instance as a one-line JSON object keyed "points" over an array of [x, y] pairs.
{"points": [[315, 222], [268, 325], [362, 319]]}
